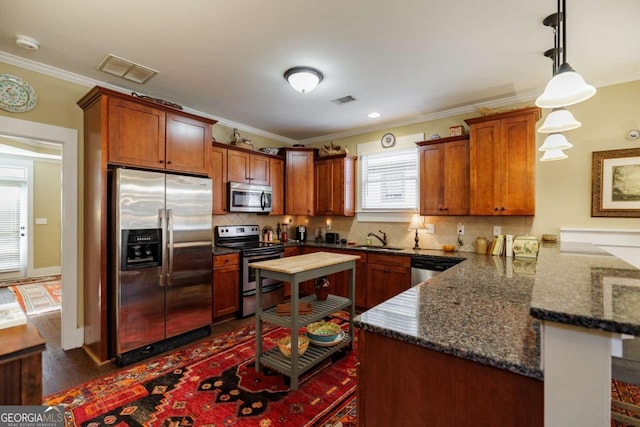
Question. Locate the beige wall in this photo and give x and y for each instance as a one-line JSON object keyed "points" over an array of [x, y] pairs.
{"points": [[47, 198]]}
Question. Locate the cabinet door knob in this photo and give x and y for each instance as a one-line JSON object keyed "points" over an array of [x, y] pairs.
{"points": [[160, 161], [502, 209], [168, 162], [496, 209]]}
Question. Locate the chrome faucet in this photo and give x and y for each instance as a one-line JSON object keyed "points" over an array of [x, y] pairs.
{"points": [[383, 239]]}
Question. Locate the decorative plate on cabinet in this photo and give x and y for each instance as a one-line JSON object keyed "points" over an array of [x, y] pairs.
{"points": [[16, 95]]}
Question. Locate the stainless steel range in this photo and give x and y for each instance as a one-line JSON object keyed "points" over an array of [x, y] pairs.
{"points": [[246, 238]]}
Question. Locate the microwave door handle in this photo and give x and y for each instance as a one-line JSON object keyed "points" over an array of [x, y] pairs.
{"points": [[263, 200], [162, 219]]}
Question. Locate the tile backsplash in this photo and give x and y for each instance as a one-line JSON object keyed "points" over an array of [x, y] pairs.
{"points": [[397, 232]]}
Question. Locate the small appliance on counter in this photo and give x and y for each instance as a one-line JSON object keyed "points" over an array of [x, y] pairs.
{"points": [[332, 238], [301, 233]]}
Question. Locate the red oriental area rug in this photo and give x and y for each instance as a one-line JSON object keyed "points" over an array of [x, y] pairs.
{"points": [[214, 383]]}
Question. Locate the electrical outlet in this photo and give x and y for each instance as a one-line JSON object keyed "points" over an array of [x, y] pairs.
{"points": [[460, 229], [430, 228], [497, 230], [328, 226]]}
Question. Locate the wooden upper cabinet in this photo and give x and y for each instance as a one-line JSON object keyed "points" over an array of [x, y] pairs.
{"points": [[444, 176], [299, 181], [187, 144], [248, 168], [218, 175], [148, 135], [502, 149], [276, 176], [335, 185], [136, 134]]}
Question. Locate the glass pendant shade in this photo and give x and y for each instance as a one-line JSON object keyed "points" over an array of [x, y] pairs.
{"points": [[555, 141], [553, 155], [303, 79], [559, 120], [565, 88]]}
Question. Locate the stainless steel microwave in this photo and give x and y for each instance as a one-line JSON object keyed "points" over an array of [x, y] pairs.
{"points": [[249, 198]]}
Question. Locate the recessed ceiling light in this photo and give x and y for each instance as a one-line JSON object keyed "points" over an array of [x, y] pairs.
{"points": [[374, 115], [27, 43]]}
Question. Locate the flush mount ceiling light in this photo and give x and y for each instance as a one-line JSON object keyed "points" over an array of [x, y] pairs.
{"points": [[559, 120], [373, 115], [28, 43], [303, 79], [566, 87], [126, 69]]}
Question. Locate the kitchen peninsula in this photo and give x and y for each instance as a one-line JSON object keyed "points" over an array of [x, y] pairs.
{"points": [[466, 347]]}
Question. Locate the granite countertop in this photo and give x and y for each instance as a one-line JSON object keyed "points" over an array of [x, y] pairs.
{"points": [[489, 309], [477, 310], [377, 249], [223, 251], [580, 285]]}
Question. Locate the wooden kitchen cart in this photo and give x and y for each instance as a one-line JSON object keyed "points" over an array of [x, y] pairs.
{"points": [[297, 269]]}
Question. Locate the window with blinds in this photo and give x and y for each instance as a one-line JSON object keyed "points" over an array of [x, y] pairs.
{"points": [[10, 216], [390, 180]]}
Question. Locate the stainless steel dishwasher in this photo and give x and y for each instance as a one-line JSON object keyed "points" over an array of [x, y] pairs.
{"points": [[424, 267]]}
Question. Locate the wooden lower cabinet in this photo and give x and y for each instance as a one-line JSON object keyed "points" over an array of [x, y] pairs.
{"points": [[387, 276], [226, 286], [21, 365], [402, 384]]}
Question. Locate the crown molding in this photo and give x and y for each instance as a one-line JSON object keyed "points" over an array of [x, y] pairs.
{"points": [[467, 109], [68, 76]]}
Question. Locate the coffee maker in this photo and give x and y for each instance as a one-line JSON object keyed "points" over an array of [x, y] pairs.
{"points": [[301, 233]]}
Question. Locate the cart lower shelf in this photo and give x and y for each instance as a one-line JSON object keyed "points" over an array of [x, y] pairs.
{"points": [[314, 355]]}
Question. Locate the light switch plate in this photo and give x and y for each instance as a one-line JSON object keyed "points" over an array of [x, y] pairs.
{"points": [[497, 230], [460, 229], [430, 228]]}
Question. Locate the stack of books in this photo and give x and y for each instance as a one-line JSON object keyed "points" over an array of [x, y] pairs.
{"points": [[502, 245]]}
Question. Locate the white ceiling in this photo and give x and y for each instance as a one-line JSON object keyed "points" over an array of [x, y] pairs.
{"points": [[406, 59]]}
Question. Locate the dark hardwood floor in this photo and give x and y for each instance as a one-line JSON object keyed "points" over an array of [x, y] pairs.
{"points": [[64, 369]]}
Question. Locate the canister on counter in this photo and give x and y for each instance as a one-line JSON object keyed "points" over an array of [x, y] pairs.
{"points": [[481, 245]]}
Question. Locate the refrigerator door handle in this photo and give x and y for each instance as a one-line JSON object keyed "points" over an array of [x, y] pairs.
{"points": [[171, 244], [162, 219]]}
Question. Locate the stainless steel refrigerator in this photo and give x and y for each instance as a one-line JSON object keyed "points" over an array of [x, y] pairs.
{"points": [[162, 261]]}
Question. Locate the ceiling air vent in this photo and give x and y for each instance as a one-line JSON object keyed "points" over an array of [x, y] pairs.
{"points": [[343, 100], [126, 69]]}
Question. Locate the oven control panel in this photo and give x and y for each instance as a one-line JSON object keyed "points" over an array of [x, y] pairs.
{"points": [[225, 231]]}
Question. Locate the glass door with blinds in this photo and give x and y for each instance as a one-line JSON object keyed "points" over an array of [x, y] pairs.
{"points": [[13, 221]]}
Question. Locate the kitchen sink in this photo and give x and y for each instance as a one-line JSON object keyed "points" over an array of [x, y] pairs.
{"points": [[378, 248]]}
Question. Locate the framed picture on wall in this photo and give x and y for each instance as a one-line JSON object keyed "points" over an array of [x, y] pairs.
{"points": [[616, 183]]}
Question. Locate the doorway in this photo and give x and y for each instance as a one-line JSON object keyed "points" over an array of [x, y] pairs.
{"points": [[71, 329]]}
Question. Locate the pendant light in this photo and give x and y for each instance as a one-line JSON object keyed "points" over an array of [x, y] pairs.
{"points": [[303, 79], [566, 87], [559, 120], [555, 141], [553, 155]]}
